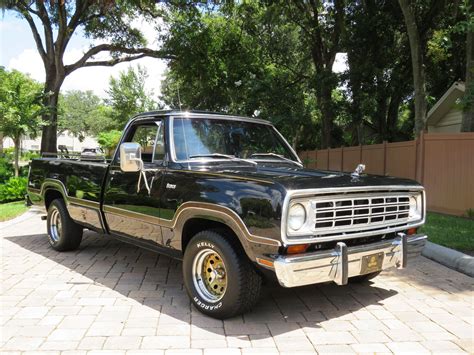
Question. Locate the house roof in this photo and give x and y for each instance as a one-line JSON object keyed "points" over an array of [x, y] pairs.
{"points": [[445, 103]]}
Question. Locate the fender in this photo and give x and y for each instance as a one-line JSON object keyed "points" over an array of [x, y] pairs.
{"points": [[51, 184], [220, 214]]}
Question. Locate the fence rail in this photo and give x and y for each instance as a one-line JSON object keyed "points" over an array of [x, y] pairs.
{"points": [[443, 163]]}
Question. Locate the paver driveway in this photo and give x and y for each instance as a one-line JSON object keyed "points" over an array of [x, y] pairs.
{"points": [[115, 298]]}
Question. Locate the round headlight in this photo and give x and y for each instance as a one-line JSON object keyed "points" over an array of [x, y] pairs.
{"points": [[296, 216], [413, 206]]}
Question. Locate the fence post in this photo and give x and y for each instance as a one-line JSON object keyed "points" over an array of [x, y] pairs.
{"points": [[327, 167], [422, 156], [342, 158], [385, 157], [360, 153]]}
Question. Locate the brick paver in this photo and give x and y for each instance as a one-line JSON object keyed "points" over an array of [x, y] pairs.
{"points": [[114, 298]]}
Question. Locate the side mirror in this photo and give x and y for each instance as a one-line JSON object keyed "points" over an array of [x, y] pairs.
{"points": [[130, 157]]}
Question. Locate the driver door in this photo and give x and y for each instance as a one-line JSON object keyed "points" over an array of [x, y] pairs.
{"points": [[131, 206]]}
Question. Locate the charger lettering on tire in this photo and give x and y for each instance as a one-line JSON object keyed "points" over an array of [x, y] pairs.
{"points": [[205, 306]]}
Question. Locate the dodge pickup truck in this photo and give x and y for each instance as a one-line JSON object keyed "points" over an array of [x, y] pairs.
{"points": [[230, 197]]}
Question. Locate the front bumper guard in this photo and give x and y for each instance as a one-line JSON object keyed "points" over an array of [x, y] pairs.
{"points": [[343, 262]]}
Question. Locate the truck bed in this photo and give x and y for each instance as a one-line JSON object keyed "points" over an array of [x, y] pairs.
{"points": [[82, 185]]}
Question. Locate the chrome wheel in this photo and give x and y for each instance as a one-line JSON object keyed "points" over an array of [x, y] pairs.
{"points": [[209, 275], [55, 225]]}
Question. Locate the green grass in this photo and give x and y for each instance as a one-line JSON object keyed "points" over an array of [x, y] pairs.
{"points": [[452, 232], [11, 210]]}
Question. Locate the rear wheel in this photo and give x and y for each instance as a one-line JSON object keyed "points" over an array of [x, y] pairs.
{"points": [[218, 276], [364, 278], [63, 233]]}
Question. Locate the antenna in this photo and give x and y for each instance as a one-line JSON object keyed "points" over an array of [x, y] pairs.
{"points": [[179, 100]]}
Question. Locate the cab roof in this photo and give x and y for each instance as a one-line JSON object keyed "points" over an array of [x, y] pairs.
{"points": [[198, 113]]}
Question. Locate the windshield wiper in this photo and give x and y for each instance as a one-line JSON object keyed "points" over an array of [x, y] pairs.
{"points": [[276, 156], [225, 156]]}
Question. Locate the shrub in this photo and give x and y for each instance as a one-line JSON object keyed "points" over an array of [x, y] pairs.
{"points": [[470, 213], [29, 155], [13, 190], [109, 140], [6, 170]]}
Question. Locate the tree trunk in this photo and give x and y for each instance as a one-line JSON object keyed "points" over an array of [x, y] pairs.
{"points": [[381, 115], [324, 101], [418, 69], [327, 122], [468, 109], [392, 115], [17, 142], [49, 135]]}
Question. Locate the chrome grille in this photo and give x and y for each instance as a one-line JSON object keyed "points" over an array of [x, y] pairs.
{"points": [[358, 212]]}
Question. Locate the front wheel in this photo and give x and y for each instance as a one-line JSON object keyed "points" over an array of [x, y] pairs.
{"points": [[218, 276], [63, 233]]}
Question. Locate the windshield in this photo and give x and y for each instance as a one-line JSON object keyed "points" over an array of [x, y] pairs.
{"points": [[196, 138]]}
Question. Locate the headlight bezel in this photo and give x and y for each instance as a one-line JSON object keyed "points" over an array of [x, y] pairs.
{"points": [[416, 210], [303, 213]]}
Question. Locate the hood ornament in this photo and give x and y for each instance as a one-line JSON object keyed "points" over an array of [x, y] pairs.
{"points": [[359, 170]]}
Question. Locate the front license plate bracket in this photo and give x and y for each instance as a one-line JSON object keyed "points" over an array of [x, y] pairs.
{"points": [[371, 263]]}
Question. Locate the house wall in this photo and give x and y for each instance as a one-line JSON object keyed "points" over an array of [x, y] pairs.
{"points": [[450, 123], [72, 143]]}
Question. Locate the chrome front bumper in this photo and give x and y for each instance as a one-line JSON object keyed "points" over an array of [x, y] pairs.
{"points": [[342, 262]]}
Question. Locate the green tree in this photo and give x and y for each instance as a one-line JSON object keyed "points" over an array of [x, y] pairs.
{"points": [[76, 110], [101, 120], [468, 104], [321, 25], [20, 108], [128, 95], [245, 59], [107, 23], [109, 140], [379, 74]]}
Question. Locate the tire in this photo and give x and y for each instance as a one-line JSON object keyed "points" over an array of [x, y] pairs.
{"points": [[63, 233], [238, 284], [364, 278]]}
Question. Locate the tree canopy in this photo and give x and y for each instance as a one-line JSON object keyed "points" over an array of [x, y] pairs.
{"points": [[275, 59], [109, 25], [128, 96], [270, 59], [20, 107]]}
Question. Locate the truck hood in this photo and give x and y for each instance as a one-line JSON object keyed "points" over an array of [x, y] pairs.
{"points": [[293, 178]]}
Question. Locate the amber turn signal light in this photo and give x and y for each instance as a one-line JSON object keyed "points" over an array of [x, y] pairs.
{"points": [[297, 249], [265, 262], [412, 231]]}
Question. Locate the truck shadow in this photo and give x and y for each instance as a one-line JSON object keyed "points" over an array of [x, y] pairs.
{"points": [[153, 280]]}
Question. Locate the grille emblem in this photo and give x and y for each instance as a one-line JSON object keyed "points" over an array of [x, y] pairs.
{"points": [[359, 170]]}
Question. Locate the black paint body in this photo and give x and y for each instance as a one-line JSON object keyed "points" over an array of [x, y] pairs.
{"points": [[102, 197]]}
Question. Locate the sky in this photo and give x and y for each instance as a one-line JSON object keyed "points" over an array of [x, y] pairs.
{"points": [[18, 51]]}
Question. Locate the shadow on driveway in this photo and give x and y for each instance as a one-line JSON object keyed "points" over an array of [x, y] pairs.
{"points": [[155, 281]]}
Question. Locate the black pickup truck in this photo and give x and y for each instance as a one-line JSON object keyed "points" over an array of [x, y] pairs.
{"points": [[230, 197]]}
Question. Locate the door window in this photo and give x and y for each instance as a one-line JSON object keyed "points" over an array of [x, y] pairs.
{"points": [[151, 139]]}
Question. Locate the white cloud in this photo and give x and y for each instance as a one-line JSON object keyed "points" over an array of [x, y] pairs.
{"points": [[29, 61], [94, 78], [97, 78]]}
